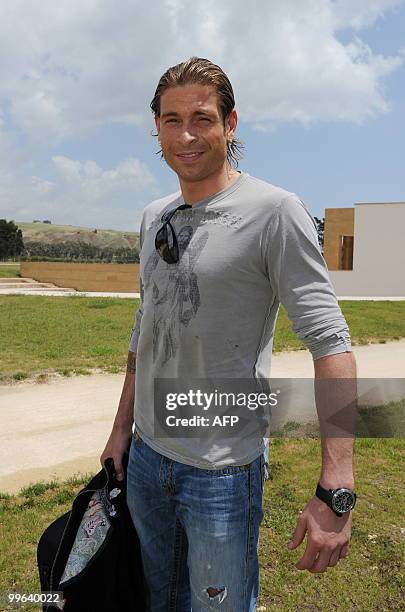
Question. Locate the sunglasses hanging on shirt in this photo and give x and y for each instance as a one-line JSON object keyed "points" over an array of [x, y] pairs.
{"points": [[166, 241]]}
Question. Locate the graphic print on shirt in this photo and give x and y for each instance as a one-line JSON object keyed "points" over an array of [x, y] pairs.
{"points": [[177, 299]]}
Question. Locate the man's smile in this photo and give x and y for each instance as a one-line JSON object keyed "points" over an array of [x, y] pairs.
{"points": [[188, 157]]}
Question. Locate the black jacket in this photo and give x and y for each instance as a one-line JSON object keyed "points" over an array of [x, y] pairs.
{"points": [[98, 538]]}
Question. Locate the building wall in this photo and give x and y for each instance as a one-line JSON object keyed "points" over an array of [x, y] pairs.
{"points": [[338, 222], [85, 277], [379, 253]]}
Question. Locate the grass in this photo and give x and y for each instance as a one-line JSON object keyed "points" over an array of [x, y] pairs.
{"points": [[370, 578], [63, 334], [384, 421], [10, 271], [74, 334], [23, 518], [368, 322]]}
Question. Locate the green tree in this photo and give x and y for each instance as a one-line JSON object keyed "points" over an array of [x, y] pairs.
{"points": [[80, 251], [11, 239]]}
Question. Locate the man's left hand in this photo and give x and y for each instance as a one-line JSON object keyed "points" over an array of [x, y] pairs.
{"points": [[328, 536]]}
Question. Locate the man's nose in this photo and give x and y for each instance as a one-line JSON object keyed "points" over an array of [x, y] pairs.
{"points": [[187, 135]]}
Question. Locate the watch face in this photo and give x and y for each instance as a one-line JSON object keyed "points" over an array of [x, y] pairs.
{"points": [[343, 500]]}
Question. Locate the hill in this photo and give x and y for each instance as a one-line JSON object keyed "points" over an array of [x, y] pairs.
{"points": [[53, 234]]}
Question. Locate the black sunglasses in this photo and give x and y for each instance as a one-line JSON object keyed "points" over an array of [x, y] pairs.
{"points": [[167, 246]]}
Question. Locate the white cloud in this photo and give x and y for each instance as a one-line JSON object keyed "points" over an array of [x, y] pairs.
{"points": [[70, 67], [78, 65], [87, 183], [360, 14], [81, 193]]}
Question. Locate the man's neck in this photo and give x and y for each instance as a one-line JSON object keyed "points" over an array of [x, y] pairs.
{"points": [[196, 191]]}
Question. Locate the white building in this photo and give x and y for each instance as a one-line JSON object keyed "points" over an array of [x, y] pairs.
{"points": [[365, 249]]}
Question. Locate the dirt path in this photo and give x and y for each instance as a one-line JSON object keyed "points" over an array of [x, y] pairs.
{"points": [[60, 428]]}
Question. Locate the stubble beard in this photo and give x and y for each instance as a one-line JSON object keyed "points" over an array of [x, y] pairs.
{"points": [[194, 176]]}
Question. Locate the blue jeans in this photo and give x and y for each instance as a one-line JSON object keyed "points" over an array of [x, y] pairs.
{"points": [[198, 530]]}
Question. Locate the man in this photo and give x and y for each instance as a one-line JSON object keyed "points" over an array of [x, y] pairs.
{"points": [[217, 258]]}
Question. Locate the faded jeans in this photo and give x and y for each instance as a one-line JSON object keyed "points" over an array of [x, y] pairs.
{"points": [[198, 530]]}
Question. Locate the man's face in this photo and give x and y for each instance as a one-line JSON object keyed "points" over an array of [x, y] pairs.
{"points": [[191, 131]]}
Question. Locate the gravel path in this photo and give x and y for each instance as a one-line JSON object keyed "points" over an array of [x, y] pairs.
{"points": [[57, 429]]}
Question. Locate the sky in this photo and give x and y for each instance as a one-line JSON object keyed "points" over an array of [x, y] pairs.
{"points": [[319, 88]]}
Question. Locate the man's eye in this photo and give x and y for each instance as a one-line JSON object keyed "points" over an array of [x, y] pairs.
{"points": [[171, 121], [205, 119]]}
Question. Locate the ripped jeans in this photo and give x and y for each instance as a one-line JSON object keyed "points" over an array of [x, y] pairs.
{"points": [[198, 530]]}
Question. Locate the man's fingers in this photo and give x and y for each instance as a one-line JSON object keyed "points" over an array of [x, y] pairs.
{"points": [[344, 551], [299, 534], [119, 470], [327, 558], [322, 561], [335, 556], [308, 558]]}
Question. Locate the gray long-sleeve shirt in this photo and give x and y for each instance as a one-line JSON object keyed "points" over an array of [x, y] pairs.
{"points": [[212, 315]]}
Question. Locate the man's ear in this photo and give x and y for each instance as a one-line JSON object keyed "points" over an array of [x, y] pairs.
{"points": [[232, 123], [157, 123]]}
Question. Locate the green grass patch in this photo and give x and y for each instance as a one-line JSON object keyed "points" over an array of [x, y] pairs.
{"points": [[70, 334], [12, 271], [384, 421], [370, 578], [38, 488], [74, 334], [369, 322]]}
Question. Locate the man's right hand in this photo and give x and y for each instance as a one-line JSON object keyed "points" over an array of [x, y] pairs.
{"points": [[116, 446]]}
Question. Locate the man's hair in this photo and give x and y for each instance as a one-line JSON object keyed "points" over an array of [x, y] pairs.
{"points": [[197, 70]]}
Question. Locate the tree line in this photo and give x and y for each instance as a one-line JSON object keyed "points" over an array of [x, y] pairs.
{"points": [[12, 246]]}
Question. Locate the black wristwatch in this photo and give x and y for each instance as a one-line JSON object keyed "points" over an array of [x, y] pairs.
{"points": [[339, 500]]}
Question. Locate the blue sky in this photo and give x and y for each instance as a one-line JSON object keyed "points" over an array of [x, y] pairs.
{"points": [[319, 86]]}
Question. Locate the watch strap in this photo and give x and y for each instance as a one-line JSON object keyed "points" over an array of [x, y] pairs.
{"points": [[326, 496]]}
